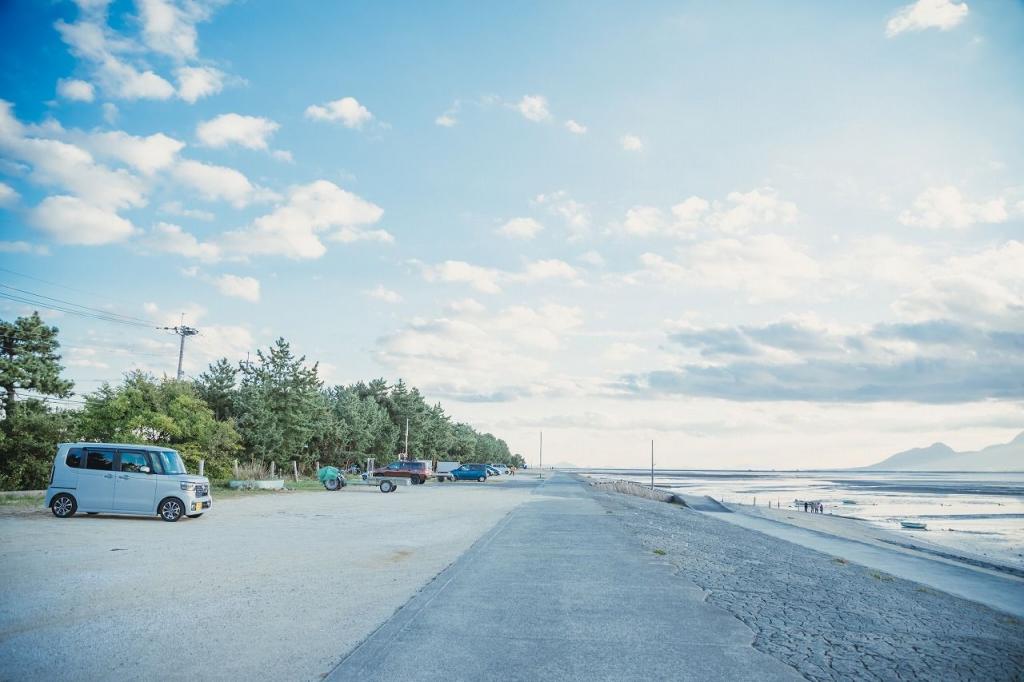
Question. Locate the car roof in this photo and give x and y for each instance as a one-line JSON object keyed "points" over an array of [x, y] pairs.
{"points": [[134, 446]]}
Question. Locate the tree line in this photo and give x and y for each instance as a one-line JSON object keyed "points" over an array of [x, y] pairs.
{"points": [[274, 408]]}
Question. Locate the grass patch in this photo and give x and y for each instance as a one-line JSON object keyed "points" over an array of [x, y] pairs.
{"points": [[841, 562], [221, 491], [660, 552], [884, 577], [20, 501]]}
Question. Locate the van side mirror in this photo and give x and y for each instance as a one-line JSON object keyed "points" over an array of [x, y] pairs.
{"points": [[145, 469]]}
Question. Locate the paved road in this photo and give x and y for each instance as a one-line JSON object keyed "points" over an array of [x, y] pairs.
{"points": [[560, 591], [1001, 593]]}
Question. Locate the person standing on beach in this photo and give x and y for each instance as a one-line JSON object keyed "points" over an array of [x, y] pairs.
{"points": [[805, 507]]}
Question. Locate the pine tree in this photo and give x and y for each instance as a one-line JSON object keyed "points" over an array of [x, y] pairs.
{"points": [[29, 361]]}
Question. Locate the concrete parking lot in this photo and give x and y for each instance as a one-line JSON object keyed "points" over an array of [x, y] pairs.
{"points": [[270, 586]]}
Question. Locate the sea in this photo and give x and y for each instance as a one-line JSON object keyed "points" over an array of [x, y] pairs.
{"points": [[976, 513]]}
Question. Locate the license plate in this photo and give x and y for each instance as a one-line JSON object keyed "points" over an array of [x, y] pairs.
{"points": [[196, 506]]}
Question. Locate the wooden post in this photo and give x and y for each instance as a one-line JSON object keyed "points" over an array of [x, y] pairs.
{"points": [[273, 469], [317, 467], [295, 470], [202, 466], [236, 470]]}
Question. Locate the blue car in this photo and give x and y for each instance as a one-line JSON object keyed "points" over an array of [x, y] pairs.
{"points": [[470, 472]]}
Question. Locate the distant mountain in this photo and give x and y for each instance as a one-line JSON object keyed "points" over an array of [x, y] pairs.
{"points": [[941, 457]]}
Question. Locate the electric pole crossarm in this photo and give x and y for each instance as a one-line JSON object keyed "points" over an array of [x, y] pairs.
{"points": [[182, 331]]}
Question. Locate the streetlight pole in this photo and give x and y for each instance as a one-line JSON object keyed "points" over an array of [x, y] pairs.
{"points": [[652, 465]]}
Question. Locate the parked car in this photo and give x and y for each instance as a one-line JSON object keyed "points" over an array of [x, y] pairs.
{"points": [[470, 472], [502, 469], [491, 471], [443, 470], [120, 478], [418, 471]]}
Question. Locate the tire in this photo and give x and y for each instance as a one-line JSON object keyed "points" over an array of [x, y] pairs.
{"points": [[482, 479], [63, 506], [333, 484], [421, 480], [170, 509], [387, 486], [194, 516]]}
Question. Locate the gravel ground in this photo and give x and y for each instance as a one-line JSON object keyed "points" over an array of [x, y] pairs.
{"points": [[828, 619], [266, 587]]}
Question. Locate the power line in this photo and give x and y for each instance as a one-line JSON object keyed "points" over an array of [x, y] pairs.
{"points": [[62, 286], [32, 299]]}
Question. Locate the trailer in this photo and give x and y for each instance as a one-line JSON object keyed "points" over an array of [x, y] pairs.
{"points": [[333, 479]]}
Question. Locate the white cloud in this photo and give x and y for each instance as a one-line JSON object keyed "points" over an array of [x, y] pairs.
{"points": [[146, 154], [293, 229], [575, 128], [197, 82], [644, 220], [575, 214], [170, 29], [170, 238], [533, 108], [110, 112], [446, 120], [245, 288], [520, 228], [924, 14], [764, 267], [382, 293], [691, 213], [466, 306], [70, 220], [175, 208], [593, 258], [76, 90], [482, 279], [8, 195], [631, 143], [347, 110], [217, 182], [551, 268], [251, 132], [283, 155], [23, 247], [941, 207]]}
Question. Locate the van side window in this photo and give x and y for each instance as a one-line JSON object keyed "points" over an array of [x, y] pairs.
{"points": [[74, 458], [100, 459], [133, 461], [156, 462]]}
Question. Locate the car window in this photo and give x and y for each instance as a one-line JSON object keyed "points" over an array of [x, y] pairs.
{"points": [[133, 461], [102, 460], [395, 465], [74, 458]]}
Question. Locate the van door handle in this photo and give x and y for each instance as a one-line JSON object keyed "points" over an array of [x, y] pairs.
{"points": [[108, 475], [123, 478]]}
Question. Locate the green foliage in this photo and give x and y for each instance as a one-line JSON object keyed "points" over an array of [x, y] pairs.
{"points": [[217, 387], [160, 412], [29, 360], [27, 444]]}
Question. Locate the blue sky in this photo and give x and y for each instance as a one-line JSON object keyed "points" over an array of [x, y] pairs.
{"points": [[762, 234]]}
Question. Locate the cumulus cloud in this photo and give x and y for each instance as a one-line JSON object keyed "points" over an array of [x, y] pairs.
{"points": [[215, 183], [946, 207], [382, 293], [70, 220], [490, 280], [8, 195], [631, 143], [520, 228], [455, 356], [245, 288], [737, 214], [117, 61], [294, 229], [575, 215], [76, 90], [446, 120], [575, 128], [251, 132], [642, 221], [762, 267], [924, 14], [147, 154], [533, 108], [23, 247], [170, 238], [347, 110]]}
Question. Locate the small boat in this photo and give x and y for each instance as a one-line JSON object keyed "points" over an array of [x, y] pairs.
{"points": [[914, 525]]}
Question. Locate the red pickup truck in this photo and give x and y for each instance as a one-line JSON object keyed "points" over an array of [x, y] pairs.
{"points": [[416, 471]]}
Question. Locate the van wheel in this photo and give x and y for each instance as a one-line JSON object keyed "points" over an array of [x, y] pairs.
{"points": [[63, 506], [482, 479], [171, 509]]}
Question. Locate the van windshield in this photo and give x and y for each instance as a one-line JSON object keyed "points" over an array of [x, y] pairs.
{"points": [[169, 462]]}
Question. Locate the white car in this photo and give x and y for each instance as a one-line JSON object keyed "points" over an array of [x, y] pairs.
{"points": [[502, 469], [118, 478]]}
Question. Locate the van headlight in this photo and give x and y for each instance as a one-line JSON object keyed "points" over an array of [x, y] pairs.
{"points": [[187, 485]]}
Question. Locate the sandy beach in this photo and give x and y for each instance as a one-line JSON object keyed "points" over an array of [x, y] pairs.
{"points": [[272, 586]]}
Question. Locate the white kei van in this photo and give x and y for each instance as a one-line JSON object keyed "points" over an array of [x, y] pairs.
{"points": [[118, 478]]}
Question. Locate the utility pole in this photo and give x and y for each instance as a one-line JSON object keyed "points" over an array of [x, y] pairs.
{"points": [[406, 438], [652, 465], [542, 451], [182, 330]]}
